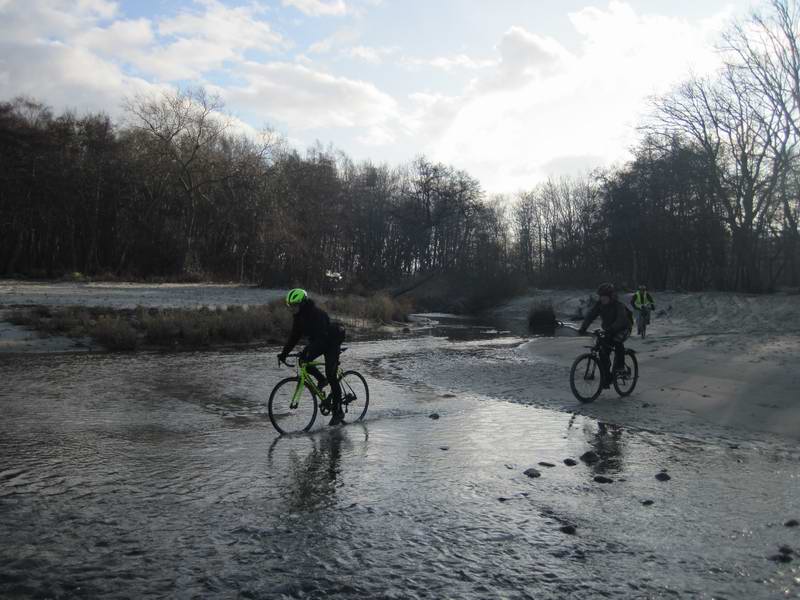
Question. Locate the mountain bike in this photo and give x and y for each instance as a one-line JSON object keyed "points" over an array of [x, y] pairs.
{"points": [[293, 411], [586, 378], [642, 320]]}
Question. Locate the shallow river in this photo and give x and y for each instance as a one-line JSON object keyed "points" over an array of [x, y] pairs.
{"points": [[159, 475]]}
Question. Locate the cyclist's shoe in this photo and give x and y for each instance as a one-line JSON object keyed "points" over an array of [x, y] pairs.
{"points": [[322, 382], [325, 406], [337, 418]]}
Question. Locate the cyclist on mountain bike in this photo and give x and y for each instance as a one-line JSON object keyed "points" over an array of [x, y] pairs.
{"points": [[324, 338], [642, 299], [616, 324]]}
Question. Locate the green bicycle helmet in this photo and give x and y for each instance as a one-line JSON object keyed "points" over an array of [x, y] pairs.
{"points": [[295, 297]]}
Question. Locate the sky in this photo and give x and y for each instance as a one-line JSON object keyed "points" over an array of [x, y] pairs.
{"points": [[512, 91]]}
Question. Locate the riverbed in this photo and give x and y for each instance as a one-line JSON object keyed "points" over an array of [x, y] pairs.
{"points": [[159, 475]]}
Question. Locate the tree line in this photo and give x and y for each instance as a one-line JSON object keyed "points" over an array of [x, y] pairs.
{"points": [[711, 198]]}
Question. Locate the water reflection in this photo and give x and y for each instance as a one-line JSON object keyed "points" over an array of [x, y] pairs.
{"points": [[312, 466], [609, 444]]}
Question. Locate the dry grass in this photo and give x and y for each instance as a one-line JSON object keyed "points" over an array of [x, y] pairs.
{"points": [[127, 330], [379, 308]]}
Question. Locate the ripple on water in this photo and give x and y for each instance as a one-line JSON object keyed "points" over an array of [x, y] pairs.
{"points": [[123, 473]]}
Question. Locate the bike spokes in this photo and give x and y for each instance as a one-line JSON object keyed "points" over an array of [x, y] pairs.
{"points": [[586, 378], [626, 378], [355, 395], [292, 407]]}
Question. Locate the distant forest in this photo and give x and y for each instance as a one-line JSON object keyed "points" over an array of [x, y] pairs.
{"points": [[711, 199]]}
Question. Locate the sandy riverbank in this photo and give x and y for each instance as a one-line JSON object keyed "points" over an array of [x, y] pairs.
{"points": [[729, 359]]}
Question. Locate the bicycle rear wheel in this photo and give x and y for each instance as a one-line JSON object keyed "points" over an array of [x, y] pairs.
{"points": [[586, 378], [625, 382], [355, 395], [292, 410]]}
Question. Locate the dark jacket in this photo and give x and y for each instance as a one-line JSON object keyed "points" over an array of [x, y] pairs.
{"points": [[311, 322], [614, 317]]}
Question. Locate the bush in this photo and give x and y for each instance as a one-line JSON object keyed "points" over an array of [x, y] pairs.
{"points": [[380, 308], [542, 318], [115, 333], [127, 329]]}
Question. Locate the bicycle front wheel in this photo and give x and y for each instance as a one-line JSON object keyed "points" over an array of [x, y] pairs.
{"points": [[625, 381], [586, 378], [355, 395], [292, 408]]}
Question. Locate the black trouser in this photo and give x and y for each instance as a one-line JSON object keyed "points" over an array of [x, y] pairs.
{"points": [[330, 348], [614, 343]]}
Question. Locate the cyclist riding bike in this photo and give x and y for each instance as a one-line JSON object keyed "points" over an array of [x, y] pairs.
{"points": [[325, 337], [616, 325], [642, 298]]}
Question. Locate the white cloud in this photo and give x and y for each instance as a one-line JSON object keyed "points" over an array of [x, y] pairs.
{"points": [[448, 63], [184, 47], [307, 98], [66, 77], [377, 136], [530, 110], [368, 54], [318, 8], [120, 37], [341, 37], [543, 109], [41, 20], [238, 28]]}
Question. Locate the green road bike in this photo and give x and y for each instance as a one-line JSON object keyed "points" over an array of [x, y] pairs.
{"points": [[295, 401], [586, 379]]}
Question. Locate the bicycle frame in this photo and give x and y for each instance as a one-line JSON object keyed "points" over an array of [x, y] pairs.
{"points": [[302, 373]]}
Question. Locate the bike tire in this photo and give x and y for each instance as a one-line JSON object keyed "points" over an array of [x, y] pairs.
{"points": [[632, 363], [354, 399], [586, 366], [281, 415]]}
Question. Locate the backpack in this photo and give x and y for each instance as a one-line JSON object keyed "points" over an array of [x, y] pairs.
{"points": [[337, 332], [629, 314]]}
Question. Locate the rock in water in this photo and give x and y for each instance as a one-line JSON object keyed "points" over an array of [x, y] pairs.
{"points": [[433, 416], [532, 473], [546, 464], [791, 523], [782, 558], [663, 476], [569, 529], [570, 462], [590, 457], [602, 479], [785, 550], [647, 502]]}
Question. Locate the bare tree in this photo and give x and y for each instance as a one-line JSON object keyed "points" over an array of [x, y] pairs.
{"points": [[185, 126], [746, 146]]}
